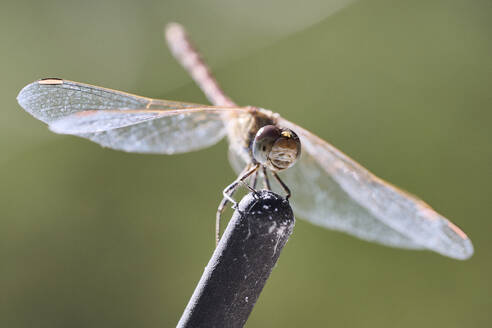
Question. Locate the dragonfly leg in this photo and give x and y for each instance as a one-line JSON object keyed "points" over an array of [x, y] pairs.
{"points": [[228, 193], [220, 209], [252, 189], [255, 180], [266, 182], [284, 186]]}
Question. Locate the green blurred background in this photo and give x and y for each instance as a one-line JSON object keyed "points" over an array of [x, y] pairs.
{"points": [[91, 237]]}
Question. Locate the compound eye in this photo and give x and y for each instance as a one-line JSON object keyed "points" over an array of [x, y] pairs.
{"points": [[264, 140], [285, 151]]}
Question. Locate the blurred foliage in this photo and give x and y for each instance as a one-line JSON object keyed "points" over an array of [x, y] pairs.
{"points": [[91, 237]]}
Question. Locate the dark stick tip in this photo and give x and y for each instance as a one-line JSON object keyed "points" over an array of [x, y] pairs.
{"points": [[241, 263]]}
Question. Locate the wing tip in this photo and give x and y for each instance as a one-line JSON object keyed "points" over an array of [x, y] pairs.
{"points": [[463, 253], [26, 93], [467, 250], [23, 98], [458, 245], [464, 249]]}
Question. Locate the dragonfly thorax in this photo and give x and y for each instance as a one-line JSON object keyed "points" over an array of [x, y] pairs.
{"points": [[276, 148]]}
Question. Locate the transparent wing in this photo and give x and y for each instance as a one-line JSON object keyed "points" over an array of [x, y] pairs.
{"points": [[123, 121], [149, 131], [332, 190], [316, 197], [51, 99]]}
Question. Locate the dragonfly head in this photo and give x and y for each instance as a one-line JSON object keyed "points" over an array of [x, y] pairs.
{"points": [[276, 148]]}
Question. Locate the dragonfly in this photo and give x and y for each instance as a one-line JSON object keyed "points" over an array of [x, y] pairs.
{"points": [[329, 188]]}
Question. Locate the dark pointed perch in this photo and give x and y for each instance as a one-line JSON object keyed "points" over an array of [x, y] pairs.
{"points": [[241, 263]]}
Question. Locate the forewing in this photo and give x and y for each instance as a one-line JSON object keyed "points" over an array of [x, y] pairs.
{"points": [[52, 99], [332, 190]]}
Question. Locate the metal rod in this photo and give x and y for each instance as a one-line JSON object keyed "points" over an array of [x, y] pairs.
{"points": [[242, 262]]}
